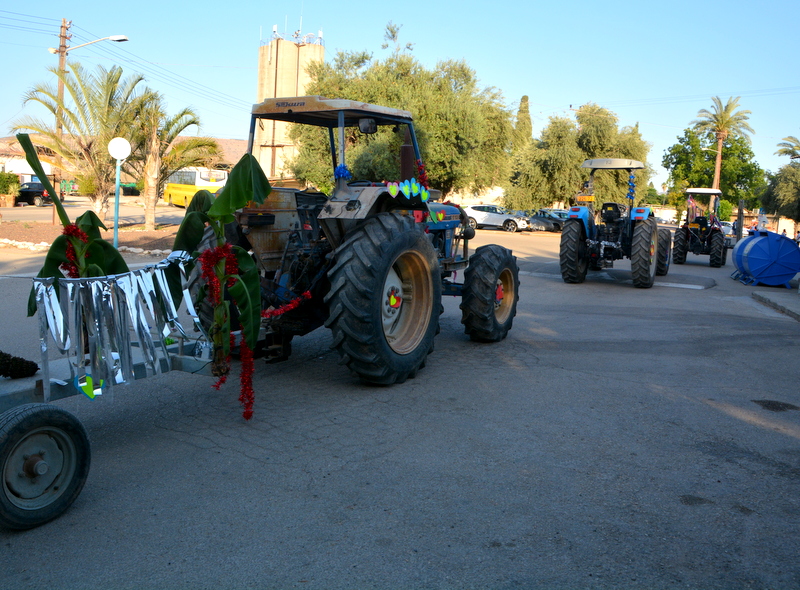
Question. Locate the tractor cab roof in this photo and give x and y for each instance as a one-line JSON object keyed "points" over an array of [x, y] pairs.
{"points": [[703, 191], [612, 164], [325, 112]]}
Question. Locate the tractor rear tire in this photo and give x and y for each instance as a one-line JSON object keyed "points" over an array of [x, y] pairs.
{"points": [[490, 295], [717, 253], [44, 462], [573, 255], [664, 251], [385, 299], [679, 246], [644, 253]]}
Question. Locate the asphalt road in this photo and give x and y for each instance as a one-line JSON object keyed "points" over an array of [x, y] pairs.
{"points": [[613, 440]]}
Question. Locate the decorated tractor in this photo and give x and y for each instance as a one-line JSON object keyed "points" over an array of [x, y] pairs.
{"points": [[254, 267], [371, 260], [701, 234], [593, 241]]}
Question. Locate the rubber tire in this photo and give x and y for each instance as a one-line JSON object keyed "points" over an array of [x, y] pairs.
{"points": [[356, 299], [664, 252], [38, 425], [484, 319], [510, 225], [38, 201], [717, 252], [679, 246], [573, 255], [644, 253], [472, 223]]}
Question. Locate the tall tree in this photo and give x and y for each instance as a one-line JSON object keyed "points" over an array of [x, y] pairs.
{"points": [[523, 128], [722, 121], [464, 131], [97, 107], [790, 146], [550, 168], [691, 163], [158, 149]]}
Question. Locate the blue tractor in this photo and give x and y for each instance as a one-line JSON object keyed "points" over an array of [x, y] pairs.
{"points": [[594, 240], [371, 259]]}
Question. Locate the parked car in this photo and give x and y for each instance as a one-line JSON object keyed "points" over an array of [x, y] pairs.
{"points": [[495, 216], [552, 220], [33, 193]]}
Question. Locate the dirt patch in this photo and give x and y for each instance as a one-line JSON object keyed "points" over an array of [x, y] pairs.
{"points": [[132, 236]]}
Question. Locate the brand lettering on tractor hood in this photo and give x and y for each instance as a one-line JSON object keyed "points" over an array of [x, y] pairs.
{"points": [[289, 104]]}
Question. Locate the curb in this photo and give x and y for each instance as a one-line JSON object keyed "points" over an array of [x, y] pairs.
{"points": [[776, 306]]}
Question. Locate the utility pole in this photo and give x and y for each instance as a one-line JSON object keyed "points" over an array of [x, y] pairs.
{"points": [[63, 37]]}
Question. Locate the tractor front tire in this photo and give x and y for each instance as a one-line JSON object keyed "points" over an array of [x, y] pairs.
{"points": [[664, 251], [679, 246], [717, 254], [573, 255], [490, 295], [644, 253], [44, 462], [385, 299]]}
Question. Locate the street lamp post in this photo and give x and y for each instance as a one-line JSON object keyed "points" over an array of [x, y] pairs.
{"points": [[119, 148], [62, 51]]}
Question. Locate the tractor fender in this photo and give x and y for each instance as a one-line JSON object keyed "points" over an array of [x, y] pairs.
{"points": [[585, 216], [641, 213]]}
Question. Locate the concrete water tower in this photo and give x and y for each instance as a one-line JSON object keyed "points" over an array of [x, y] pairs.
{"points": [[282, 65]]}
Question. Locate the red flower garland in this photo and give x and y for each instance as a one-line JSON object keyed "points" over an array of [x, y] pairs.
{"points": [[422, 176], [247, 396], [293, 304], [208, 262], [71, 268]]}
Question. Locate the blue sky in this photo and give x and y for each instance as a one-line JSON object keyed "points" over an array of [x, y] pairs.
{"points": [[655, 64]]}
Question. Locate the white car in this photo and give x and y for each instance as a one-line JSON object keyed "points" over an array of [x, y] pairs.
{"points": [[495, 216]]}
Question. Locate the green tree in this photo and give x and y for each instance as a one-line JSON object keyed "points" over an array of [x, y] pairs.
{"points": [[550, 168], [691, 162], [723, 121], [523, 128], [158, 151], [464, 132], [97, 107], [790, 146], [782, 194]]}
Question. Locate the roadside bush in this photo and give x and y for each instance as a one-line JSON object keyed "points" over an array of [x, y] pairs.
{"points": [[7, 180]]}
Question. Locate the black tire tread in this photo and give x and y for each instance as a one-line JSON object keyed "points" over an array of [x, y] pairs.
{"points": [[642, 267], [664, 251], [478, 296], [572, 257], [679, 246], [717, 253], [356, 279]]}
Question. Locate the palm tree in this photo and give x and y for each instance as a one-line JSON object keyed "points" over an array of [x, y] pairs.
{"points": [[161, 152], [723, 121], [790, 146], [97, 107]]}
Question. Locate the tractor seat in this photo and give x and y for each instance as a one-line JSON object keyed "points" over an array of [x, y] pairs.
{"points": [[611, 212], [702, 222]]}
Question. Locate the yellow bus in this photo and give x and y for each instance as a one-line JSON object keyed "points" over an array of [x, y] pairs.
{"points": [[184, 183]]}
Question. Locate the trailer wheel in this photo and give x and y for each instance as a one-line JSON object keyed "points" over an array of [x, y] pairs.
{"points": [[573, 254], [385, 299], [717, 254], [679, 246], [490, 295], [44, 457], [644, 253], [664, 251]]}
